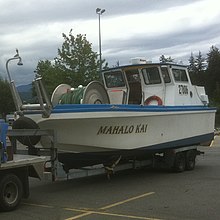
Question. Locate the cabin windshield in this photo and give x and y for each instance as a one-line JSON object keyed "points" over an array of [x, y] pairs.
{"points": [[114, 79], [151, 75], [180, 75]]}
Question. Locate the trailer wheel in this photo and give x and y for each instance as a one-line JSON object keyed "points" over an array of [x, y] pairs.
{"points": [[10, 192], [180, 162], [190, 160]]}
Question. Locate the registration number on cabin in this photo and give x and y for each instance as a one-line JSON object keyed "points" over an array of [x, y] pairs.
{"points": [[183, 89]]}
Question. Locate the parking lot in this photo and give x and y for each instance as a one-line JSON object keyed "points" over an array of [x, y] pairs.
{"points": [[132, 194]]}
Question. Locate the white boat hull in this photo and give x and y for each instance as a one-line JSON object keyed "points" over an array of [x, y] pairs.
{"points": [[119, 130]]}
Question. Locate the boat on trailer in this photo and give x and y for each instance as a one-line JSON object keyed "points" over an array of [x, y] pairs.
{"points": [[136, 110]]}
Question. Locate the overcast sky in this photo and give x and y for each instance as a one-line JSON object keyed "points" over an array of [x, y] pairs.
{"points": [[129, 28]]}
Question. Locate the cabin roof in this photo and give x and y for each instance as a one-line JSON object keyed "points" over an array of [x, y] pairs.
{"points": [[144, 65]]}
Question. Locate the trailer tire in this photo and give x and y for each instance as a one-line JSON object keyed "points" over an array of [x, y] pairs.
{"points": [[190, 160], [11, 191], [179, 162]]}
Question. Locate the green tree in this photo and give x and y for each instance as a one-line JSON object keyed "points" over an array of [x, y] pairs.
{"points": [[164, 59], [77, 59], [76, 64], [200, 62], [192, 64], [51, 74], [213, 74], [192, 69], [196, 69], [6, 100]]}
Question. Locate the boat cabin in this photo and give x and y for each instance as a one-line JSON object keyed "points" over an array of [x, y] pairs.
{"points": [[152, 84]]}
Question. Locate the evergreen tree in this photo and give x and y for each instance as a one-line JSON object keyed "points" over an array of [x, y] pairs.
{"points": [[192, 69], [192, 64], [164, 59], [213, 74], [200, 63], [196, 69]]}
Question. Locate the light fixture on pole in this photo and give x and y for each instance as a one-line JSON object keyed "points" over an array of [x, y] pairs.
{"points": [[99, 12], [16, 56]]}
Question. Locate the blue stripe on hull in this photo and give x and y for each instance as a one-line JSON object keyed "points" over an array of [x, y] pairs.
{"points": [[78, 160], [182, 143], [67, 108]]}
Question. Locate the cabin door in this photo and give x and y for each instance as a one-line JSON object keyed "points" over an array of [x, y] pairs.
{"points": [[134, 86]]}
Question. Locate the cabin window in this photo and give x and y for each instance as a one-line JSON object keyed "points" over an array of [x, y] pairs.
{"points": [[180, 75], [114, 79], [165, 74], [151, 75]]}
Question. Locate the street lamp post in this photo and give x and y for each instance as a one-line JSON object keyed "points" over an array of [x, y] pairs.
{"points": [[99, 12], [15, 95]]}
